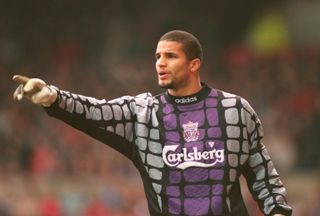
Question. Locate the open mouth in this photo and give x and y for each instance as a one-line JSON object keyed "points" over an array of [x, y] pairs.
{"points": [[163, 75]]}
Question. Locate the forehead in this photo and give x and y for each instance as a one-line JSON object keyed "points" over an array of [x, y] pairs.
{"points": [[169, 46]]}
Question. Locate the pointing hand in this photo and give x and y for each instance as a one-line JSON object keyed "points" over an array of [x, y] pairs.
{"points": [[35, 90]]}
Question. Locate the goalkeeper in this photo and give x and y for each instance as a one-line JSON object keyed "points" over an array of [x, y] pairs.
{"points": [[190, 144]]}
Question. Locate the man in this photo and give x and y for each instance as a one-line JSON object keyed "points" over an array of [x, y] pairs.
{"points": [[190, 144]]}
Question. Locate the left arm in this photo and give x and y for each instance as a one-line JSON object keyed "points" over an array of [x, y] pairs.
{"points": [[263, 180]]}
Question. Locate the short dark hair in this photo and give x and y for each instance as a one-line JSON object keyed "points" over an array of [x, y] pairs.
{"points": [[190, 44]]}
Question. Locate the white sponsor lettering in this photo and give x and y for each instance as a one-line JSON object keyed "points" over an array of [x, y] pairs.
{"points": [[186, 100], [192, 158]]}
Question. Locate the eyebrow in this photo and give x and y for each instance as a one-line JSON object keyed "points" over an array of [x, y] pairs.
{"points": [[167, 52]]}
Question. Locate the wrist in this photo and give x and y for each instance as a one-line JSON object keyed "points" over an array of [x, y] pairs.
{"points": [[53, 95]]}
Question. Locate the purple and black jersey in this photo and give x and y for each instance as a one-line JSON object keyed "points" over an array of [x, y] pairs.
{"points": [[190, 151]]}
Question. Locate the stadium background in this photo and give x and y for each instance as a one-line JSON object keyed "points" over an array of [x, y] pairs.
{"points": [[265, 51]]}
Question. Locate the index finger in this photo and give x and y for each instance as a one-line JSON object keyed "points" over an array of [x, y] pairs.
{"points": [[20, 79]]}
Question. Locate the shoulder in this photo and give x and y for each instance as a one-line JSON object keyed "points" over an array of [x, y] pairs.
{"points": [[236, 105], [229, 99], [143, 100]]}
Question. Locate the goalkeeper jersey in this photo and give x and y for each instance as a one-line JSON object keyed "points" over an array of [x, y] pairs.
{"points": [[190, 151]]}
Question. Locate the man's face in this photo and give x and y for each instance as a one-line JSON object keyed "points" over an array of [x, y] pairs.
{"points": [[172, 66]]}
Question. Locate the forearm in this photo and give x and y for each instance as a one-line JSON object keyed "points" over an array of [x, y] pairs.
{"points": [[110, 122], [82, 112]]}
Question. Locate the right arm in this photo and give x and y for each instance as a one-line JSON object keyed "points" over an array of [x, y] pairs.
{"points": [[107, 121], [111, 122]]}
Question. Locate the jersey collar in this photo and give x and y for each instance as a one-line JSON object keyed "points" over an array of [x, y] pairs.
{"points": [[189, 99]]}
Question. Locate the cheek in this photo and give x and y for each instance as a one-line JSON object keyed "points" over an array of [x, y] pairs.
{"points": [[181, 70]]}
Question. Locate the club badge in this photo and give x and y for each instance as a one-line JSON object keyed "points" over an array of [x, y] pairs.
{"points": [[190, 131]]}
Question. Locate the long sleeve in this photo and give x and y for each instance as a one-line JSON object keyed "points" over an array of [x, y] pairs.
{"points": [[111, 122], [128, 124], [262, 178]]}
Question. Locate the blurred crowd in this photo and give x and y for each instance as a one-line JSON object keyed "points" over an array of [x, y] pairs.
{"points": [[50, 169]]}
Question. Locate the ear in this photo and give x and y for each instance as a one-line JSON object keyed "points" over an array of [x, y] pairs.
{"points": [[195, 65]]}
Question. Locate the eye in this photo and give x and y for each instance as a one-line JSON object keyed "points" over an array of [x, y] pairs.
{"points": [[171, 55], [157, 56]]}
